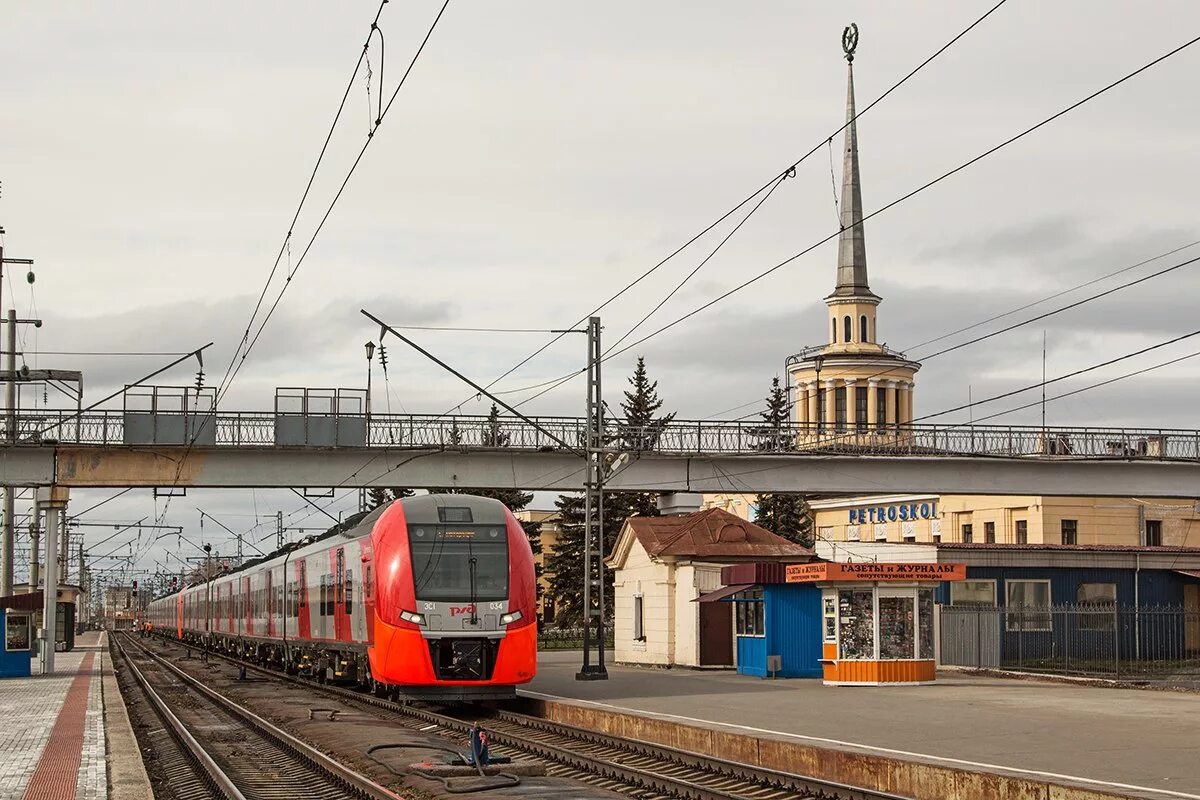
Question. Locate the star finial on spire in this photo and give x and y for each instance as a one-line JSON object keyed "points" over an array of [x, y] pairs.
{"points": [[850, 41]]}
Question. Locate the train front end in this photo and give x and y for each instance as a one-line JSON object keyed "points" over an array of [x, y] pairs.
{"points": [[454, 615]]}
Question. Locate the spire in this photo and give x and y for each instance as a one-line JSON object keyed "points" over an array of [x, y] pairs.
{"points": [[852, 245]]}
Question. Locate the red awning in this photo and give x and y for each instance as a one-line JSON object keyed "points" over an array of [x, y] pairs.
{"points": [[721, 594]]}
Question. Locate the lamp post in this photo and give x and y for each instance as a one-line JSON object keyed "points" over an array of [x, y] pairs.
{"points": [[370, 348]]}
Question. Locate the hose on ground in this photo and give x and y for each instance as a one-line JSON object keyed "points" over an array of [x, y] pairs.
{"points": [[509, 781]]}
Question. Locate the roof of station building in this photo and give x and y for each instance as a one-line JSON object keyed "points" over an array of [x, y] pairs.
{"points": [[713, 534]]}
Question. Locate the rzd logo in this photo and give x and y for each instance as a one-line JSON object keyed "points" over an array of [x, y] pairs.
{"points": [[456, 610]]}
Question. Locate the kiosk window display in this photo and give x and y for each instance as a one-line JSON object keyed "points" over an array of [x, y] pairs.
{"points": [[877, 619]]}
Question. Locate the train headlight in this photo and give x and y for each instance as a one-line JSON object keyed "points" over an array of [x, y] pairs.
{"points": [[510, 617], [413, 617]]}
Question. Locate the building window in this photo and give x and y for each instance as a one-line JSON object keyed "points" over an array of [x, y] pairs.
{"points": [[1070, 531], [751, 613], [1023, 532], [1024, 596], [839, 407], [830, 619], [847, 329], [968, 533], [1097, 606], [1154, 533], [973, 593], [935, 531], [834, 320], [862, 328], [639, 629], [881, 407], [989, 532], [860, 408]]}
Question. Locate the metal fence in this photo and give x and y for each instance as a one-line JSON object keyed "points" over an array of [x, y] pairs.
{"points": [[680, 437], [1159, 643], [568, 639]]}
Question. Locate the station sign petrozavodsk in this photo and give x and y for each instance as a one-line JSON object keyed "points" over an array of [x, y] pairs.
{"points": [[874, 571]]}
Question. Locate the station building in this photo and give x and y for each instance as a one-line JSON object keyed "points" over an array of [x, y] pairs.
{"points": [[663, 565]]}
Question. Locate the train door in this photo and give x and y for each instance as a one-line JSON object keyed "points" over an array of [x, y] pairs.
{"points": [[365, 630], [269, 594], [248, 605], [303, 615], [341, 596]]}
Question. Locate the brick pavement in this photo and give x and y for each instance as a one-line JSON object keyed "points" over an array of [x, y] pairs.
{"points": [[52, 742]]}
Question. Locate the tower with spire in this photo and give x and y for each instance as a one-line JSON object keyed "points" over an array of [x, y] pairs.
{"points": [[853, 384]]}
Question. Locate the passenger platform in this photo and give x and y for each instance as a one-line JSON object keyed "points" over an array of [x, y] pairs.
{"points": [[1105, 741], [67, 735]]}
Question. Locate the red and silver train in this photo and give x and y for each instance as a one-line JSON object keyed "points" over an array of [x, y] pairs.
{"points": [[429, 596]]}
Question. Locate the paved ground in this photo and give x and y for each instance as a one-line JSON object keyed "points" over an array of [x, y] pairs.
{"points": [[1121, 739], [53, 741]]}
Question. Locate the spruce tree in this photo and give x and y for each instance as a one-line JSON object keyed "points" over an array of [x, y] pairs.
{"points": [[642, 427], [782, 513], [639, 429]]}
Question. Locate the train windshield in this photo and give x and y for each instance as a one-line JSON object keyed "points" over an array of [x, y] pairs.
{"points": [[458, 563]]}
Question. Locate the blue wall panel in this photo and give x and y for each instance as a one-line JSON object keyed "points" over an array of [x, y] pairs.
{"points": [[793, 618]]}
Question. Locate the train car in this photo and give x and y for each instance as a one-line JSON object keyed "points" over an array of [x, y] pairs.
{"points": [[430, 596]]}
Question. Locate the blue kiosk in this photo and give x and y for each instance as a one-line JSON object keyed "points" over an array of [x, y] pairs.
{"points": [[17, 656]]}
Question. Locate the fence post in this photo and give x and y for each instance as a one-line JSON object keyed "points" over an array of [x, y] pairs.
{"points": [[1117, 638]]}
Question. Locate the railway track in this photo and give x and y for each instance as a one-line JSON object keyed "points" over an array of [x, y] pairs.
{"points": [[212, 747], [634, 768]]}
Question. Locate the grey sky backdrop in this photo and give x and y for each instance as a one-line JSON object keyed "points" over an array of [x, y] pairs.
{"points": [[543, 153]]}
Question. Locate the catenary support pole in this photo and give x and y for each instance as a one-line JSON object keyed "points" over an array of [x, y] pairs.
{"points": [[593, 510], [10, 427]]}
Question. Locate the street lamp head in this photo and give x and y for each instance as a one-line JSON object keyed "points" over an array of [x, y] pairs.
{"points": [[370, 347], [207, 547]]}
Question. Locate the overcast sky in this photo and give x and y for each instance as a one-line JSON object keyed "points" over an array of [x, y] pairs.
{"points": [[544, 153]]}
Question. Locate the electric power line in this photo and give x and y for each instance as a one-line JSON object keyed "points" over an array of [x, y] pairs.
{"points": [[777, 176], [1040, 384]]}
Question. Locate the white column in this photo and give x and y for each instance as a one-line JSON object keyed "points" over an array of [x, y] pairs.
{"points": [[802, 403], [830, 406], [851, 404], [890, 409], [873, 403], [810, 390]]}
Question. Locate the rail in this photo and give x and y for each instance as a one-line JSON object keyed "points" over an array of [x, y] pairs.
{"points": [[259, 429], [278, 744], [640, 768]]}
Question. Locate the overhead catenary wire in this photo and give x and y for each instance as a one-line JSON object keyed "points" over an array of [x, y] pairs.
{"points": [[1083, 301], [749, 198], [284, 246], [240, 355], [1040, 384], [914, 192], [1081, 390], [241, 360], [897, 201]]}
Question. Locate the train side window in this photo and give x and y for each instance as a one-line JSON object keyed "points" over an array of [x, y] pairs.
{"points": [[367, 581], [347, 593], [324, 593]]}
